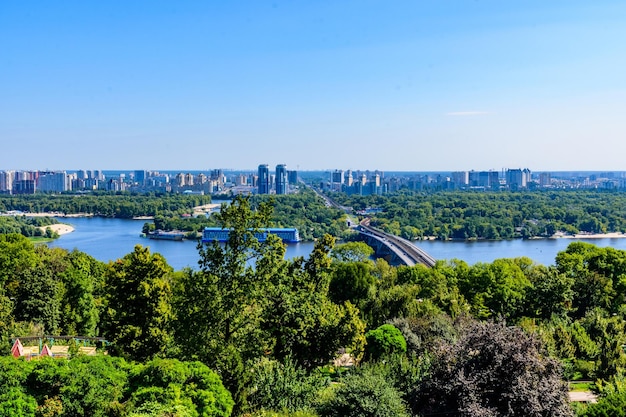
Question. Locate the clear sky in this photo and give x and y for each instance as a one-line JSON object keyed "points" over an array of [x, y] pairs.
{"points": [[354, 84]]}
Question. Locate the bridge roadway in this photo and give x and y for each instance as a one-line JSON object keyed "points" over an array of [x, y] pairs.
{"points": [[403, 250]]}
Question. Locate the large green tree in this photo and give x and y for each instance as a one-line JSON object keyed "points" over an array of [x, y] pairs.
{"points": [[248, 302], [137, 312]]}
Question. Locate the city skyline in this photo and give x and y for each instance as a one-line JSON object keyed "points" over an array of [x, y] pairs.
{"points": [[401, 86]]}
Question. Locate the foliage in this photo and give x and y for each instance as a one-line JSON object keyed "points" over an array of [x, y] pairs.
{"points": [[265, 324], [352, 252], [27, 226], [495, 290], [493, 370], [611, 402], [51, 288], [138, 312], [16, 403], [384, 340], [424, 333], [185, 387], [351, 281], [247, 302], [105, 386], [364, 394], [491, 215], [120, 205], [283, 386]]}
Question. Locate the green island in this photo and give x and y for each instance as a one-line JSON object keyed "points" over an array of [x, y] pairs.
{"points": [[336, 334], [492, 215]]}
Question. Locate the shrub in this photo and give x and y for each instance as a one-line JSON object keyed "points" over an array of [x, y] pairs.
{"points": [[383, 341], [364, 395]]}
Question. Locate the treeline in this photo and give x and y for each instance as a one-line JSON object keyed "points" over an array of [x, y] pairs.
{"points": [[119, 205], [304, 211], [493, 215], [487, 339], [27, 226]]}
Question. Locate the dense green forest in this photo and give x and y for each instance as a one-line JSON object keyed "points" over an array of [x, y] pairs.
{"points": [[336, 334], [27, 226], [121, 205], [493, 215]]}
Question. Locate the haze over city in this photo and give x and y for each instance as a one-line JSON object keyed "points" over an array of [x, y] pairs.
{"points": [[403, 85]]}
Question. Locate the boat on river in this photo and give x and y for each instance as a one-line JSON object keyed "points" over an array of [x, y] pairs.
{"points": [[163, 235]]}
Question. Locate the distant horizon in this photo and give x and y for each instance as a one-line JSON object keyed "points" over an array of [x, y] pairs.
{"points": [[252, 170]]}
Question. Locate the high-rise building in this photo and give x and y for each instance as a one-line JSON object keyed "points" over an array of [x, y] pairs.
{"points": [[460, 178], [6, 181], [52, 182], [264, 179], [24, 187], [545, 179], [281, 179], [336, 180], [517, 178], [180, 179], [140, 177], [217, 175], [348, 178], [292, 177]]}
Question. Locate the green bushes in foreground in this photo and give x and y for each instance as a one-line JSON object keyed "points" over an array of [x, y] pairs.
{"points": [[107, 386]]}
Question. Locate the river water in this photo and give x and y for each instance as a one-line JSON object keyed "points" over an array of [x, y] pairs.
{"points": [[111, 239]]}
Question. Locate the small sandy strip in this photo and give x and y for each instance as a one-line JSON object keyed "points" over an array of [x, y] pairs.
{"points": [[60, 228], [613, 235], [198, 210]]}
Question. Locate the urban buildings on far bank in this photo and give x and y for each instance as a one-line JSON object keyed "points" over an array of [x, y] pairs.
{"points": [[214, 181], [283, 181], [377, 182]]}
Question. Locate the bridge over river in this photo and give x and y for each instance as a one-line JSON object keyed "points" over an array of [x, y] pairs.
{"points": [[397, 250]]}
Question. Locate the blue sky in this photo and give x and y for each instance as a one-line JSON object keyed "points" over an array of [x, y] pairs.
{"points": [[353, 84]]}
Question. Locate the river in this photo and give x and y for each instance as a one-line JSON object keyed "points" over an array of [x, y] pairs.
{"points": [[110, 239]]}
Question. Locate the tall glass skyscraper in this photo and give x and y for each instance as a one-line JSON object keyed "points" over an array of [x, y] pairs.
{"points": [[264, 179], [281, 179]]}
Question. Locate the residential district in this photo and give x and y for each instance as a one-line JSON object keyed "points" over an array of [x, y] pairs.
{"points": [[284, 181]]}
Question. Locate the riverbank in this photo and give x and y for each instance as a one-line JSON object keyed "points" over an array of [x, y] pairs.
{"points": [[612, 235], [558, 235], [60, 228], [48, 214]]}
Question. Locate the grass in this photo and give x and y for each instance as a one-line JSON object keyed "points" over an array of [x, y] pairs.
{"points": [[581, 386], [40, 239]]}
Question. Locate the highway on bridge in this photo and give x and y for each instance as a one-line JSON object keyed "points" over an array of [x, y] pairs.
{"points": [[404, 250]]}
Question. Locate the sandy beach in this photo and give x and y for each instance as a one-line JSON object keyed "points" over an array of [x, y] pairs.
{"points": [[60, 228], [206, 208], [612, 235]]}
